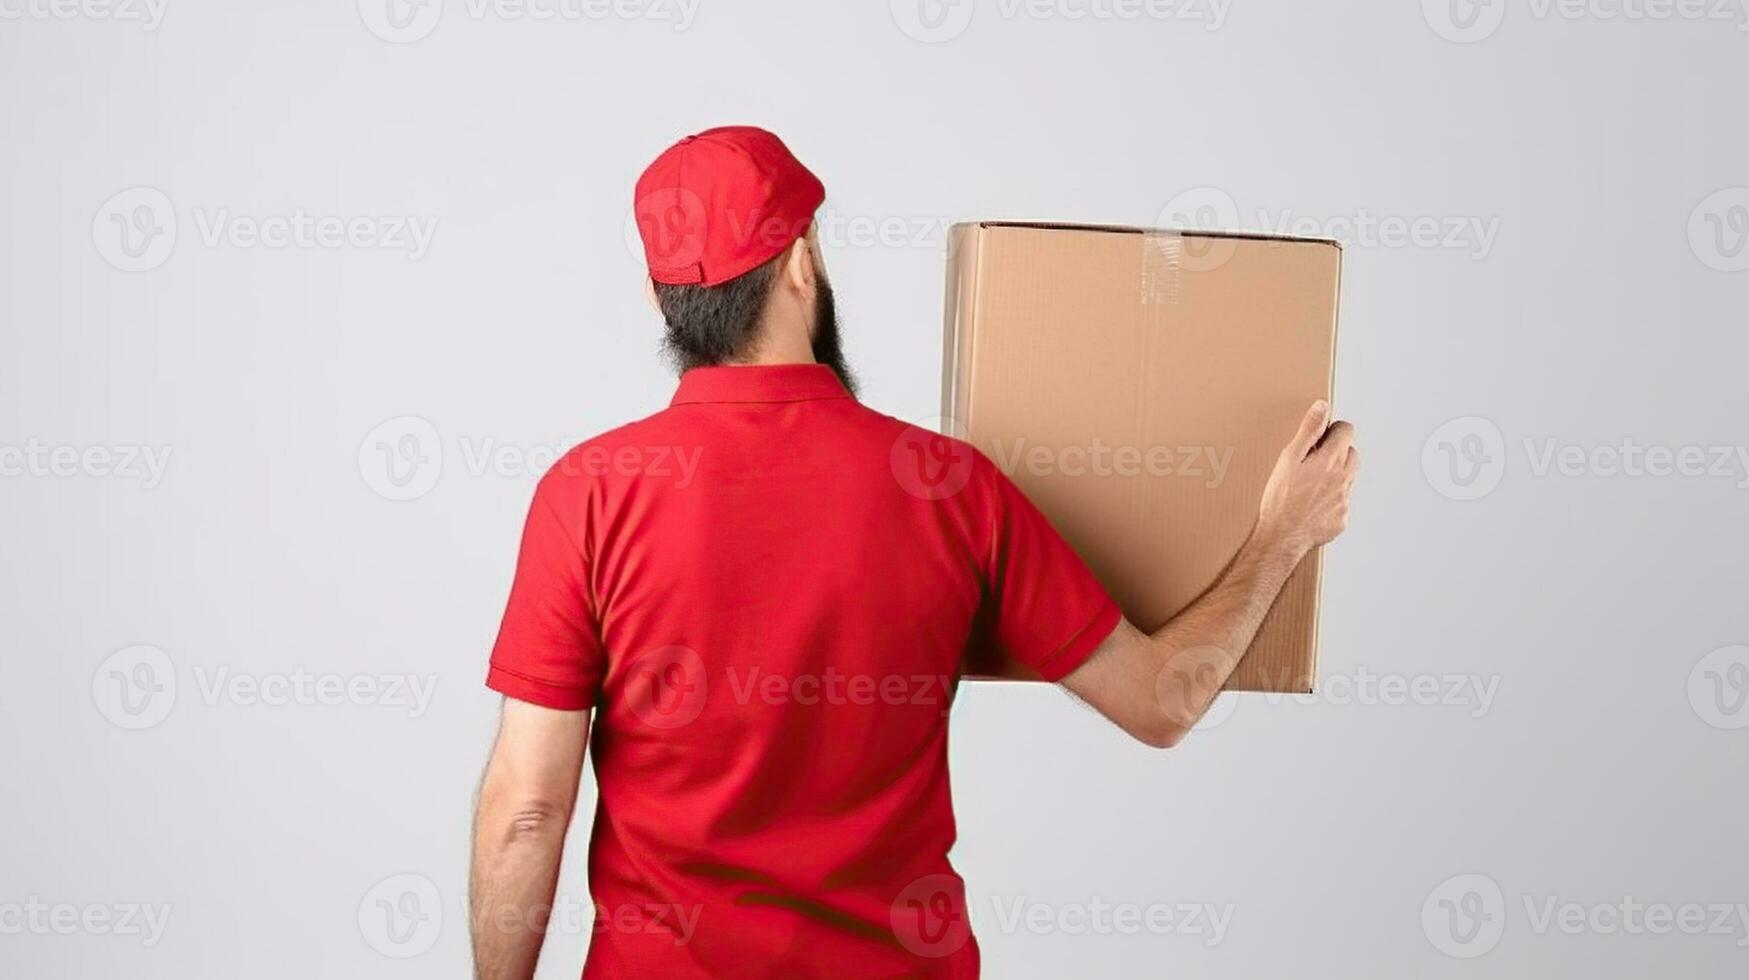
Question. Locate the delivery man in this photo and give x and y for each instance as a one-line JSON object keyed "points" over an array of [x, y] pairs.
{"points": [[762, 594]]}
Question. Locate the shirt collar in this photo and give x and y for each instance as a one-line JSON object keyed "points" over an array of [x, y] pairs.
{"points": [[759, 383]]}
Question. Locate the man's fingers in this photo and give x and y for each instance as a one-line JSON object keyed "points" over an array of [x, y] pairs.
{"points": [[1337, 442], [1311, 429]]}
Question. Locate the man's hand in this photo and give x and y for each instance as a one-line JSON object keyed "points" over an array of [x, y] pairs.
{"points": [[1157, 686], [525, 807], [1305, 502]]}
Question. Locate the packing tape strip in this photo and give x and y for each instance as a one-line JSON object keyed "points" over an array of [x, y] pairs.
{"points": [[1162, 268], [1163, 258]]}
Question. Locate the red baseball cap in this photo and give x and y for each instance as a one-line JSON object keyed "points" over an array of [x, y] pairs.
{"points": [[720, 203]]}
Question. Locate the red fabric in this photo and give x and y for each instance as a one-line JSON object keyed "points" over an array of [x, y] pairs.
{"points": [[721, 203], [765, 591]]}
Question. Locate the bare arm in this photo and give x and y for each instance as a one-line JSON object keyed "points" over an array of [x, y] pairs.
{"points": [[526, 798], [1157, 686]]}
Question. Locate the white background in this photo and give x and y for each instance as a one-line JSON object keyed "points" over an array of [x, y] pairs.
{"points": [[1608, 304]]}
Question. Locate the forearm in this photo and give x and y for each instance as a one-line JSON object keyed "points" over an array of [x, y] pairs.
{"points": [[1200, 647], [517, 851], [1157, 686], [525, 806]]}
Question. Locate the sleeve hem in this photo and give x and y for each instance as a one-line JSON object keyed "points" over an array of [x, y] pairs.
{"points": [[1079, 647], [514, 685]]}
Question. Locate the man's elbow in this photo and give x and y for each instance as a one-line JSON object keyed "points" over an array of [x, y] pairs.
{"points": [[536, 819], [1162, 733], [523, 816]]}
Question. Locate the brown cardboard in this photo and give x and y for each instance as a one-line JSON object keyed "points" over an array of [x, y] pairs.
{"points": [[1061, 339]]}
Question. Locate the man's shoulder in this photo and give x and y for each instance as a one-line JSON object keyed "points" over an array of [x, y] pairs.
{"points": [[931, 458], [624, 450]]}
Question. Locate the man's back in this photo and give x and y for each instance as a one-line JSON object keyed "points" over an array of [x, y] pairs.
{"points": [[765, 592], [763, 595]]}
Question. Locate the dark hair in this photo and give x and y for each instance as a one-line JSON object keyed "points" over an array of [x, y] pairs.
{"points": [[710, 325]]}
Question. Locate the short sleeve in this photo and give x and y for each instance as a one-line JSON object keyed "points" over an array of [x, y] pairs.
{"points": [[1044, 607], [548, 650]]}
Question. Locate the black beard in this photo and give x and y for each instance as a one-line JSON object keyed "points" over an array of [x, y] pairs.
{"points": [[827, 348]]}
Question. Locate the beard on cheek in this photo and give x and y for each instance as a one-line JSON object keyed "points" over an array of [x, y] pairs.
{"points": [[827, 348]]}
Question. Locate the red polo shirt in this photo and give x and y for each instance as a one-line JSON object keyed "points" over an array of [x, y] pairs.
{"points": [[765, 591]]}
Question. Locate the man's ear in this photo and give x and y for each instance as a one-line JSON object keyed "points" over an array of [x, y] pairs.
{"points": [[650, 295], [798, 266]]}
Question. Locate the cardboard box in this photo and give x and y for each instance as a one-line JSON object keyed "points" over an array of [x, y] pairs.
{"points": [[1138, 385]]}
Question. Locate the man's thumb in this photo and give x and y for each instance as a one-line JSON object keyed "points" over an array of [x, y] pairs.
{"points": [[1311, 429]]}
